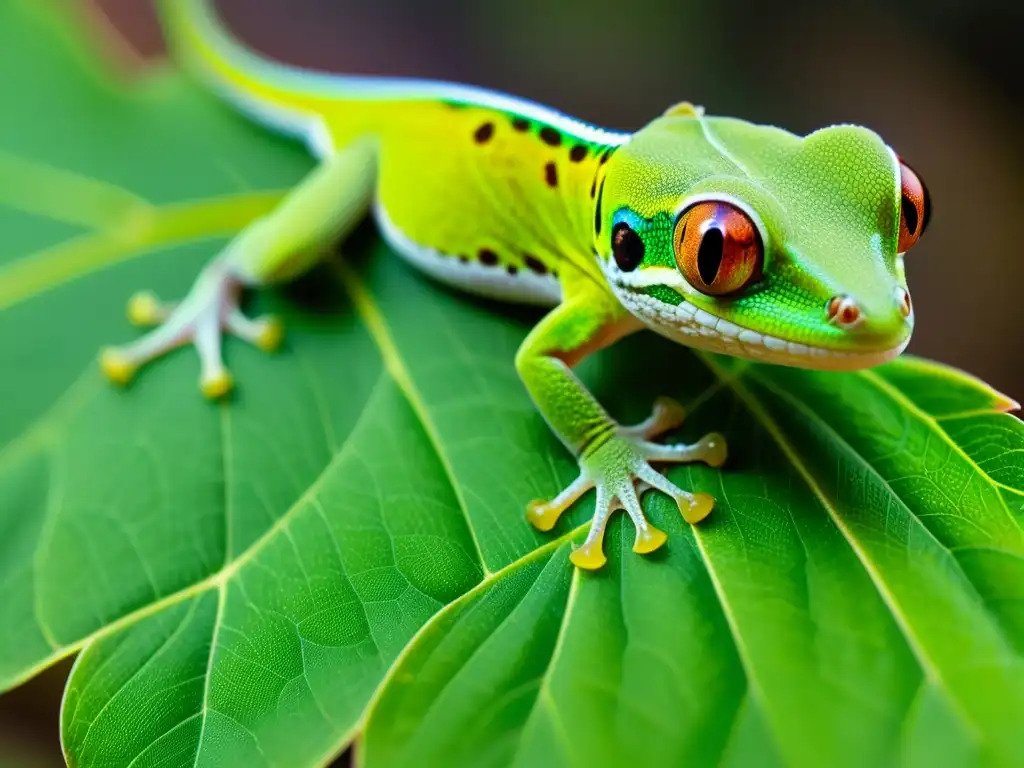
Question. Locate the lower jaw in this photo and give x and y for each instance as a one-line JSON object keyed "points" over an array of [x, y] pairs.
{"points": [[792, 355]]}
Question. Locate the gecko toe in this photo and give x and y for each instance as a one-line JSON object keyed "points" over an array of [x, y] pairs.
{"points": [[117, 366]]}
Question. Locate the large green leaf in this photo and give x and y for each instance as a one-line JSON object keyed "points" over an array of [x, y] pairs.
{"points": [[341, 548]]}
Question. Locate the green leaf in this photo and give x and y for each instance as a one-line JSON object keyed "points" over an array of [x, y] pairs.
{"points": [[340, 551]]}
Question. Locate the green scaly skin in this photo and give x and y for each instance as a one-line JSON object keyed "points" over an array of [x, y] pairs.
{"points": [[505, 198]]}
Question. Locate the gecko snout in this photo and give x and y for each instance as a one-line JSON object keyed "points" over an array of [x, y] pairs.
{"points": [[887, 324]]}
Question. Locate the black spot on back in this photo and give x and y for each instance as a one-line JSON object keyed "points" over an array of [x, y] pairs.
{"points": [[577, 153], [534, 264], [550, 136], [597, 209], [512, 269], [709, 255], [605, 155], [521, 124], [551, 175], [488, 257], [483, 134]]}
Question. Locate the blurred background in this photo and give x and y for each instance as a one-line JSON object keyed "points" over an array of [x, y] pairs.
{"points": [[937, 78]]}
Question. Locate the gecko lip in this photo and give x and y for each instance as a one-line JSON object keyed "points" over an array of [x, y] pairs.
{"points": [[763, 348], [694, 327]]}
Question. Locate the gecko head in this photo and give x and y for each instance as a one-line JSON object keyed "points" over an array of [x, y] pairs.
{"points": [[755, 242]]}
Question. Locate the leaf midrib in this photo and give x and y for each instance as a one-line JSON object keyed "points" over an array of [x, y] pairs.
{"points": [[376, 325]]}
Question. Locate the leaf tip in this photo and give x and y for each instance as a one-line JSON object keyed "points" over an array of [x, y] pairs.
{"points": [[1005, 404]]}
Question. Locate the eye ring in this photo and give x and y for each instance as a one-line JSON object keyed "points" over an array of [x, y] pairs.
{"points": [[718, 248], [915, 208]]}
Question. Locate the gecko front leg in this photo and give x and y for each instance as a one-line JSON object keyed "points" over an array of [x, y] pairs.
{"points": [[615, 460], [278, 247]]}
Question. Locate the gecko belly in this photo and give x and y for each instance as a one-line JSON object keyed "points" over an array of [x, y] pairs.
{"points": [[495, 281]]}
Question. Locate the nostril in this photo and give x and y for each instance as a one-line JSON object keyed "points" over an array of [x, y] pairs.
{"points": [[903, 299], [843, 311]]}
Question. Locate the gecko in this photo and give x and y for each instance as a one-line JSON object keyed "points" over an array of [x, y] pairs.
{"points": [[720, 234]]}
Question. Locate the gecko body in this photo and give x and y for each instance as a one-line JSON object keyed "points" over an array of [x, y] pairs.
{"points": [[720, 234]]}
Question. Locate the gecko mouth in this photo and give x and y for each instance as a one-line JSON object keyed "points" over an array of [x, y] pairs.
{"points": [[695, 327]]}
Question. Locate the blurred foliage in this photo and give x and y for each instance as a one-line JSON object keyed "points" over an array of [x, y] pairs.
{"points": [[340, 551]]}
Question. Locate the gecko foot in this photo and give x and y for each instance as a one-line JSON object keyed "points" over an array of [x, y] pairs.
{"points": [[210, 308], [620, 469]]}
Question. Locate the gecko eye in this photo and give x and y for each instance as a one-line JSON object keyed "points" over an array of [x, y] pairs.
{"points": [[627, 247], [718, 249], [915, 208]]}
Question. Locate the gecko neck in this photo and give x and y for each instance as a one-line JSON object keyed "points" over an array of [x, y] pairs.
{"points": [[577, 218]]}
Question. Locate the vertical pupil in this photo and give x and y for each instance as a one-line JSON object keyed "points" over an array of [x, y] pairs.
{"points": [[910, 214], [709, 255]]}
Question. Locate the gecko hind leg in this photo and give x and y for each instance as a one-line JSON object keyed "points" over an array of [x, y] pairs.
{"points": [[287, 242]]}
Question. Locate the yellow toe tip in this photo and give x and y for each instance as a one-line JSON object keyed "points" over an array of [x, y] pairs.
{"points": [[116, 366], [270, 338], [671, 409], [588, 558], [716, 451], [540, 515], [217, 386], [648, 540], [143, 309], [697, 507]]}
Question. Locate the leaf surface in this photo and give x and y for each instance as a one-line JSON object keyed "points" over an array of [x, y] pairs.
{"points": [[339, 552]]}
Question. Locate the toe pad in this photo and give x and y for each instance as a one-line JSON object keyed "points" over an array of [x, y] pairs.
{"points": [[588, 557], [144, 309], [217, 386], [715, 450], [696, 507], [542, 515], [116, 367], [648, 540], [271, 335]]}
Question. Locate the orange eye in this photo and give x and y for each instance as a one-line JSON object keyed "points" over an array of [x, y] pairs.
{"points": [[915, 208], [718, 248]]}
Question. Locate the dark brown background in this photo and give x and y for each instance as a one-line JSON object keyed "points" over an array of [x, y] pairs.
{"points": [[937, 78]]}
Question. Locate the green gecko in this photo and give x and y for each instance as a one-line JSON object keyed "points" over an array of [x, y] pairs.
{"points": [[720, 234]]}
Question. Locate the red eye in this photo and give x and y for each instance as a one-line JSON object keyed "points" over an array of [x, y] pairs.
{"points": [[718, 249], [915, 208]]}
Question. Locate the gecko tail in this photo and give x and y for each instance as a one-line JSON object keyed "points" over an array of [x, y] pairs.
{"points": [[285, 99], [300, 103]]}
